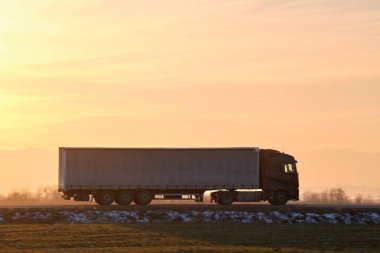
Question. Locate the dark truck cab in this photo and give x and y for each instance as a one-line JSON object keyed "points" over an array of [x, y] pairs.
{"points": [[278, 181], [278, 177]]}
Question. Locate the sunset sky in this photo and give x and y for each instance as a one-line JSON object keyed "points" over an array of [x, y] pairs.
{"points": [[293, 75]]}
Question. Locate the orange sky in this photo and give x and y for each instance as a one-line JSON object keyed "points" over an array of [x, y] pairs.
{"points": [[291, 75]]}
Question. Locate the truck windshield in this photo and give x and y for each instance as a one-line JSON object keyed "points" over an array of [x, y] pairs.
{"points": [[289, 168]]}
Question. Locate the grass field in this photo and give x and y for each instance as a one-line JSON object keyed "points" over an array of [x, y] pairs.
{"points": [[194, 237]]}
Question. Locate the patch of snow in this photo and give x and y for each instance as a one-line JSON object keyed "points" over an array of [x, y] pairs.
{"points": [[296, 215], [260, 216], [331, 217], [123, 216], [41, 216], [313, 215], [17, 216], [173, 215], [207, 215], [280, 217], [347, 218], [267, 220], [247, 217], [186, 218], [375, 217], [144, 220], [310, 219], [76, 217]]}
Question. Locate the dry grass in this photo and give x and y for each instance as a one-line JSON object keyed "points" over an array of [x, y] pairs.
{"points": [[198, 237]]}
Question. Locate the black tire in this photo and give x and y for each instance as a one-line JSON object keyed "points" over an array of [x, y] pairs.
{"points": [[226, 198], [143, 198], [280, 198], [105, 198], [124, 198]]}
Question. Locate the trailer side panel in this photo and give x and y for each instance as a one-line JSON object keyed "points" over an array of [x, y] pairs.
{"points": [[159, 168]]}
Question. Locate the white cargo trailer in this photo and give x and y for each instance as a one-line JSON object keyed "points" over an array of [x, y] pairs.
{"points": [[124, 175]]}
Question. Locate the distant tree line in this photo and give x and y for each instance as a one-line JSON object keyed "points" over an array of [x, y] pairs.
{"points": [[335, 196], [44, 195]]}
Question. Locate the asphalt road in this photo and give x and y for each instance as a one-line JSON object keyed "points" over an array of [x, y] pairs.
{"points": [[201, 207]]}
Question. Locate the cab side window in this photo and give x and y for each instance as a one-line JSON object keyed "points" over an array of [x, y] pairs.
{"points": [[288, 168]]}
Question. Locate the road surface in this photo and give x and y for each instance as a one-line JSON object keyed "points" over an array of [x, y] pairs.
{"points": [[203, 207]]}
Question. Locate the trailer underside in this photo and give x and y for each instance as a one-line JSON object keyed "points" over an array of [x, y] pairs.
{"points": [[143, 197]]}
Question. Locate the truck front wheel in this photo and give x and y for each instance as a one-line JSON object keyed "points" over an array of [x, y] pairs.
{"points": [[104, 198], [279, 198], [124, 198], [143, 198]]}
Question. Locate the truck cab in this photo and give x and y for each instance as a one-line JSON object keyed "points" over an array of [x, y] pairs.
{"points": [[278, 177]]}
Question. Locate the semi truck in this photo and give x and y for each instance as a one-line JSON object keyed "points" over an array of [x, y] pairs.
{"points": [[139, 175]]}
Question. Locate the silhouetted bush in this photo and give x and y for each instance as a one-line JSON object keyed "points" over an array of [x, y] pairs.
{"points": [[334, 196], [44, 195]]}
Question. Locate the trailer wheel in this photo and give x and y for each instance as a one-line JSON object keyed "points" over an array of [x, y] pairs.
{"points": [[104, 198], [124, 198], [280, 198], [143, 198], [226, 198]]}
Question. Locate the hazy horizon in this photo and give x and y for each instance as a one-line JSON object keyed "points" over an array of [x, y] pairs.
{"points": [[319, 170], [297, 76]]}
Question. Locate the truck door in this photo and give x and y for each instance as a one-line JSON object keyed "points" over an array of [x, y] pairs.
{"points": [[281, 173]]}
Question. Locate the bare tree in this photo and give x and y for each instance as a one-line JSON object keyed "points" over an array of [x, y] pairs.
{"points": [[335, 196], [358, 199], [338, 195], [324, 196]]}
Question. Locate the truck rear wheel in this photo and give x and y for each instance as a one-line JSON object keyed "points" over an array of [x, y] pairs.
{"points": [[226, 198], [143, 198], [280, 198], [104, 198], [124, 198]]}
